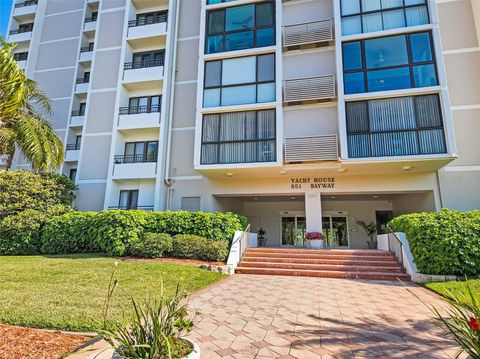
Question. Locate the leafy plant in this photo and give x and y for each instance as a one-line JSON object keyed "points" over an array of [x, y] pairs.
{"points": [[196, 247], [152, 245], [156, 329], [23, 107], [444, 242], [314, 236], [370, 228]]}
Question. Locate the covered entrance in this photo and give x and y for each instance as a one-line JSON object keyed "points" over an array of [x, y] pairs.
{"points": [[336, 231], [294, 227]]}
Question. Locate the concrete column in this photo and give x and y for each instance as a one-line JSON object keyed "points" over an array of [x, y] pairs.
{"points": [[313, 211]]}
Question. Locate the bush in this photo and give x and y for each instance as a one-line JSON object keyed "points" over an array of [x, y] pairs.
{"points": [[196, 247], [70, 233], [20, 233], [22, 190], [445, 242], [152, 245]]}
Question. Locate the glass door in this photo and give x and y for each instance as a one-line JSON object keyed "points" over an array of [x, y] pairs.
{"points": [[335, 230], [293, 230]]}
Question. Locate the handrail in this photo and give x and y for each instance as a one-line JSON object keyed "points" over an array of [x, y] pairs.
{"points": [[149, 20], [244, 241], [140, 158], [127, 208], [143, 64], [73, 146], [75, 113], [395, 245], [133, 110]]}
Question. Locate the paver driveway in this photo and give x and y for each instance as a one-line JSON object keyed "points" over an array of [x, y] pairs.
{"points": [[252, 316]]}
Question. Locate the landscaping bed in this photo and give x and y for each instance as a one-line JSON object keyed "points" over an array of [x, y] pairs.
{"points": [[17, 342]]}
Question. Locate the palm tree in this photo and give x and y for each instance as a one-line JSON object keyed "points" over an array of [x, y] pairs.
{"points": [[22, 125]]}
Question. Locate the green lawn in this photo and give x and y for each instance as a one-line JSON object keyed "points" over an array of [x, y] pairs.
{"points": [[68, 292], [456, 287]]}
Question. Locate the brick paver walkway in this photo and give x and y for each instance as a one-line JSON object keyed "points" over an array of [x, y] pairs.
{"points": [[252, 316]]}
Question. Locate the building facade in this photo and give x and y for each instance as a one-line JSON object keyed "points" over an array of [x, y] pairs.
{"points": [[303, 115]]}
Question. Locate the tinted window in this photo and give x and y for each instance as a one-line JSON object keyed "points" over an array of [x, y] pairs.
{"points": [[213, 70], [352, 56], [266, 68], [420, 45], [386, 51], [240, 18], [216, 22], [264, 15]]}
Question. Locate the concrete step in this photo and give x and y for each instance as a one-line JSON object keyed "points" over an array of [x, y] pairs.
{"points": [[357, 252], [322, 267], [382, 262], [319, 255], [324, 274]]}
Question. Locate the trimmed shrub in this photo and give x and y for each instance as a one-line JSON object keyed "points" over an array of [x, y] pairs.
{"points": [[20, 233], [152, 245], [21, 190], [445, 242], [196, 247], [70, 233]]}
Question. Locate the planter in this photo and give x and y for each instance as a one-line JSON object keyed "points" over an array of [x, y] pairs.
{"points": [[372, 244], [315, 243]]}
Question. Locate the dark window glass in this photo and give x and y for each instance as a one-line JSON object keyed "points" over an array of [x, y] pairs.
{"points": [[128, 199], [266, 68], [389, 64], [265, 37], [240, 18], [81, 109], [73, 174], [239, 41], [216, 22], [352, 56], [213, 73], [264, 15]]}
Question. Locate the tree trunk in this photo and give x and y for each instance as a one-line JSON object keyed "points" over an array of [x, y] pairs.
{"points": [[8, 163]]}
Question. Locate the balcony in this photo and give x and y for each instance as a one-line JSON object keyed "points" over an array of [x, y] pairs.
{"points": [[143, 71], [147, 27], [20, 35], [72, 152], [139, 117], [311, 149], [128, 208], [314, 32], [86, 54], [81, 84], [25, 8], [135, 166], [77, 118], [90, 24], [319, 89]]}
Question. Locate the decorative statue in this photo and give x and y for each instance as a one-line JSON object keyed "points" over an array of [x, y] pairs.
{"points": [[261, 239]]}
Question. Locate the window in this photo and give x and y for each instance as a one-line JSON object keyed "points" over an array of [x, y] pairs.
{"points": [[25, 27], [145, 104], [128, 199], [145, 151], [240, 27], [90, 46], [210, 2], [78, 141], [360, 16], [94, 15], [20, 56], [81, 109], [240, 80], [190, 204], [86, 76], [389, 63], [395, 127], [238, 137], [146, 59], [73, 174]]}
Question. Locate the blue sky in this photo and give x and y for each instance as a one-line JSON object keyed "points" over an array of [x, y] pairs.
{"points": [[4, 15]]}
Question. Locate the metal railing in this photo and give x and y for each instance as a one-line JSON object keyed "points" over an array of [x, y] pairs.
{"points": [[121, 159], [128, 208], [395, 245], [139, 109], [73, 146], [143, 64], [311, 148], [243, 242], [91, 19], [21, 30], [148, 21], [20, 56], [83, 80], [308, 32], [86, 49], [26, 3], [77, 113], [310, 88]]}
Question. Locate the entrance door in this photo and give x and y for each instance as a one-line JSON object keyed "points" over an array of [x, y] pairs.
{"points": [[293, 230], [382, 218], [335, 230]]}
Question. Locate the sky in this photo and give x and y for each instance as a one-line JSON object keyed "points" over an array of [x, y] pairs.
{"points": [[4, 15]]}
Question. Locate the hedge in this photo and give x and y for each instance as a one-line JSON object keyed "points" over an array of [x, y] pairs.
{"points": [[114, 232], [152, 245], [196, 247], [445, 242]]}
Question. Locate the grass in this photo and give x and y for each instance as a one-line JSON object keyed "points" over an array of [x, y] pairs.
{"points": [[458, 287], [68, 292]]}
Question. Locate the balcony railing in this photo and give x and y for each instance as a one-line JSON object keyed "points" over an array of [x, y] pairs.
{"points": [[143, 64], [311, 148], [73, 146], [21, 30], [149, 20], [119, 159], [85, 49], [20, 56], [77, 113], [308, 33], [26, 3], [91, 19], [139, 109], [83, 80], [127, 208], [309, 88]]}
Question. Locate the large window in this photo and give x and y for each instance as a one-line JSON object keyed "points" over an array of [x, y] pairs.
{"points": [[240, 27], [146, 59], [238, 137], [240, 80], [395, 127], [145, 104], [360, 16], [128, 199], [139, 152], [389, 63]]}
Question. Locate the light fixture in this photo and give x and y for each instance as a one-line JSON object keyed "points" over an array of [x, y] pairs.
{"points": [[292, 198], [342, 170], [407, 168], [255, 198], [375, 196], [332, 197], [283, 172], [229, 174]]}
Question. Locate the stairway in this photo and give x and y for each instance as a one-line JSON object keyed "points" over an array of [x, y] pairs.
{"points": [[327, 263]]}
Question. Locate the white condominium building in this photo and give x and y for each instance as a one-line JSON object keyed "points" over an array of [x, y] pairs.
{"points": [[303, 115]]}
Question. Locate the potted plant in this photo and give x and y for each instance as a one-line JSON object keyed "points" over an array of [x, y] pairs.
{"points": [[314, 240], [371, 230]]}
